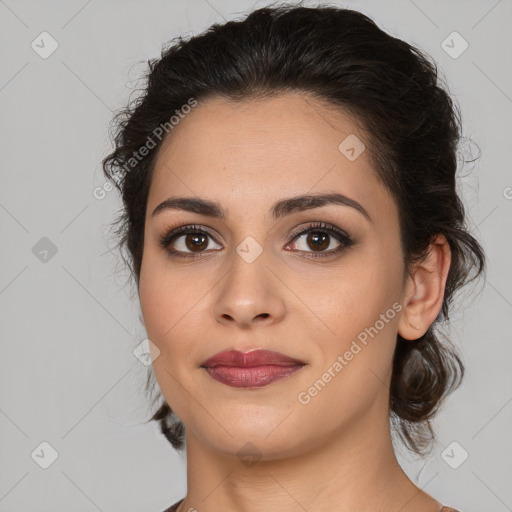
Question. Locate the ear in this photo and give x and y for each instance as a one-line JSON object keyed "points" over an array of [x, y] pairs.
{"points": [[424, 290]]}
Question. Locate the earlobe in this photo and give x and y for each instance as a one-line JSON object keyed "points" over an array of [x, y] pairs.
{"points": [[425, 288]]}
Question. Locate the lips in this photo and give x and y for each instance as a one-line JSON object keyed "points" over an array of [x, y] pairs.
{"points": [[250, 369], [250, 359]]}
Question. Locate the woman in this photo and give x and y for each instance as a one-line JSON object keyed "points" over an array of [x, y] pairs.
{"points": [[296, 237]]}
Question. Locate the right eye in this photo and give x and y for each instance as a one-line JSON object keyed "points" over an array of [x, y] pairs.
{"points": [[187, 241]]}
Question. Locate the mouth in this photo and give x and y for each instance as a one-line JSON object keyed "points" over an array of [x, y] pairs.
{"points": [[252, 369]]}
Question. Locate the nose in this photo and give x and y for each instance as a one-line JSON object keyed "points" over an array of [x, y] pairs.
{"points": [[250, 295]]}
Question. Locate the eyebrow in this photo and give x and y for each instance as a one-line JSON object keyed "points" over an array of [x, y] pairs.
{"points": [[280, 209]]}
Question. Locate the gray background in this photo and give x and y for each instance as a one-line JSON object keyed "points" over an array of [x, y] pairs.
{"points": [[68, 325]]}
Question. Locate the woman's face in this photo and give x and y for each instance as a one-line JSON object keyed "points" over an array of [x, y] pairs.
{"points": [[253, 282]]}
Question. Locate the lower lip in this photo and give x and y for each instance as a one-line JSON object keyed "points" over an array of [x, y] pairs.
{"points": [[251, 377]]}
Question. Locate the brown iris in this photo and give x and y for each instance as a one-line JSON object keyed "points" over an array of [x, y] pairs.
{"points": [[318, 240], [193, 241]]}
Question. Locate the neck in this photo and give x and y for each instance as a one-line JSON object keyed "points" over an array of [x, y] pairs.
{"points": [[355, 469]]}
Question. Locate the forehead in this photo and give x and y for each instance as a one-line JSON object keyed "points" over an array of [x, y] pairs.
{"points": [[265, 149]]}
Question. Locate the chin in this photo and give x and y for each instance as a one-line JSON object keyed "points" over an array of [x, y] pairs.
{"points": [[252, 439], [249, 449]]}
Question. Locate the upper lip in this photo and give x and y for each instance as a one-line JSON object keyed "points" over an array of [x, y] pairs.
{"points": [[248, 359]]}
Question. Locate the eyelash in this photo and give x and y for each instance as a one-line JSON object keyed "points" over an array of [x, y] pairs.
{"points": [[345, 240]]}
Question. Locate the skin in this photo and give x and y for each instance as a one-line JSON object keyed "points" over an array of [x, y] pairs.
{"points": [[335, 452]]}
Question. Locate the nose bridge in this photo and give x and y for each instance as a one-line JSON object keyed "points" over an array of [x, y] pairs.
{"points": [[250, 291]]}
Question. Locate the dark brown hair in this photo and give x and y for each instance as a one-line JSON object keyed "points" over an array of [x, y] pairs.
{"points": [[413, 128]]}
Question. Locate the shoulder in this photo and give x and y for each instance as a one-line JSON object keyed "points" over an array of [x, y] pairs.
{"points": [[174, 507]]}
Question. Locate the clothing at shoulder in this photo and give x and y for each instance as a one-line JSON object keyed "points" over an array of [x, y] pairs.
{"points": [[174, 507]]}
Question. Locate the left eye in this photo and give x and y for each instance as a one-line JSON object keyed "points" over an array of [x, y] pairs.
{"points": [[322, 239]]}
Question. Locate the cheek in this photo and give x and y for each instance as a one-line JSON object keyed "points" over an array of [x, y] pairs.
{"points": [[353, 295], [175, 307], [163, 295], [356, 361], [170, 308], [360, 305], [159, 302]]}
